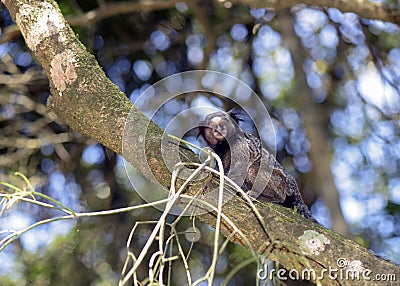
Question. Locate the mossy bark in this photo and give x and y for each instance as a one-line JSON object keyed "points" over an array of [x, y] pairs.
{"points": [[93, 106]]}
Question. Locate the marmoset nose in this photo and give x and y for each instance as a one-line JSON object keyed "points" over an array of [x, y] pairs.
{"points": [[220, 128], [217, 125]]}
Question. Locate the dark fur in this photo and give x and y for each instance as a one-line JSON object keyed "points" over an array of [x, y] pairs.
{"points": [[244, 159]]}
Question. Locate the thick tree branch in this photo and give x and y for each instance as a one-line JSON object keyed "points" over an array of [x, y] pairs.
{"points": [[110, 9], [365, 9], [87, 101]]}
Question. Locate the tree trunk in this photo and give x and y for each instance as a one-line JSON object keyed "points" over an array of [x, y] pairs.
{"points": [[86, 100]]}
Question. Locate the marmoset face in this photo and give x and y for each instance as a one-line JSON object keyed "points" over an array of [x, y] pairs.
{"points": [[217, 128]]}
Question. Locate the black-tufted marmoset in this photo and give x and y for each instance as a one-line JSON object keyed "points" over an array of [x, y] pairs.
{"points": [[248, 164]]}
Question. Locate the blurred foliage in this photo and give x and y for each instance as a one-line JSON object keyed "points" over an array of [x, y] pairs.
{"points": [[352, 67]]}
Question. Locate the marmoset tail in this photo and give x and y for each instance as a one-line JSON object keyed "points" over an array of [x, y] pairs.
{"points": [[248, 164]]}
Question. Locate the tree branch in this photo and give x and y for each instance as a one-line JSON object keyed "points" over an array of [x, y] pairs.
{"points": [[366, 9], [110, 9], [87, 100]]}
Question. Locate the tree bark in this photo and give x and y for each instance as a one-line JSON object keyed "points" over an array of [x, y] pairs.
{"points": [[86, 100], [366, 9]]}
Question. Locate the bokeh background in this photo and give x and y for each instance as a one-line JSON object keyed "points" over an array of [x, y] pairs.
{"points": [[330, 81]]}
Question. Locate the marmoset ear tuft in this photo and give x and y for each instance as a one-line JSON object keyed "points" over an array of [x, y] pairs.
{"points": [[201, 129], [236, 113]]}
